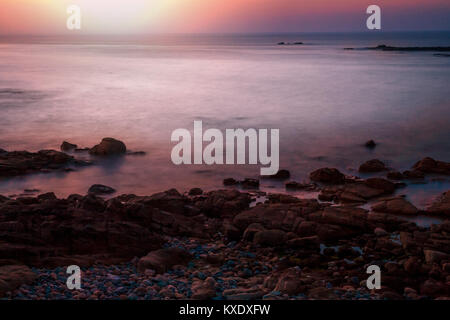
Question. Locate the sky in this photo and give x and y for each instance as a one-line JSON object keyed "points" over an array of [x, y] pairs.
{"points": [[226, 16]]}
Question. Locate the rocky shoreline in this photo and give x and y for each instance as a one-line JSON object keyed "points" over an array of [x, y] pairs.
{"points": [[230, 243]]}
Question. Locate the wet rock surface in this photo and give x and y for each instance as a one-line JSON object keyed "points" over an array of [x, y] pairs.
{"points": [[108, 147], [218, 245], [17, 163]]}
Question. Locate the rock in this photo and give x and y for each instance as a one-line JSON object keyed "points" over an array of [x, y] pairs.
{"points": [[47, 196], [380, 183], [277, 215], [429, 165], [290, 282], [13, 276], [100, 189], [250, 183], [370, 144], [230, 182], [270, 237], [163, 259], [413, 175], [108, 146], [3, 151], [312, 242], [396, 205], [222, 203], [22, 162], [351, 217], [280, 175], [380, 232], [66, 146], [433, 288], [413, 266], [432, 256], [195, 192], [232, 233], [203, 290], [293, 185], [373, 165], [251, 230], [327, 175], [441, 206], [395, 175], [321, 293]]}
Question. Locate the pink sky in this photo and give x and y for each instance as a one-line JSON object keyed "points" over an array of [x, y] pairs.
{"points": [[148, 16]]}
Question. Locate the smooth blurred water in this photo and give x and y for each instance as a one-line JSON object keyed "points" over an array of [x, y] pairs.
{"points": [[326, 101]]}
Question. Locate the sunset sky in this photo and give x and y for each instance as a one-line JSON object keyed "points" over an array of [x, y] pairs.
{"points": [[185, 16]]}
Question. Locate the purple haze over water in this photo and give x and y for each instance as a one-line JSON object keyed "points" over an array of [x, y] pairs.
{"points": [[326, 101]]}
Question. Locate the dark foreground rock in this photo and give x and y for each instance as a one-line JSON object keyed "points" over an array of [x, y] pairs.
{"points": [[441, 206], [397, 205], [214, 246]]}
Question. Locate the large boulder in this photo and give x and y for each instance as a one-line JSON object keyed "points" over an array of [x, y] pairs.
{"points": [[270, 237], [373, 165], [163, 259], [441, 206], [108, 146], [327, 175], [429, 165], [13, 276], [381, 184], [397, 205]]}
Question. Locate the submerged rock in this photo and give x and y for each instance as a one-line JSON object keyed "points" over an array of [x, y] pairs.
{"points": [[370, 144], [429, 165], [396, 205], [66, 146], [280, 175], [101, 189], [109, 146], [327, 175], [230, 182], [373, 165]]}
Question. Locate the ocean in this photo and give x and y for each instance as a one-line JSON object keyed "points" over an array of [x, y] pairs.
{"points": [[326, 102]]}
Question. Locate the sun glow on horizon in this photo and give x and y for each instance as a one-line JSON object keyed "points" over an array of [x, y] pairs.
{"points": [[186, 16]]}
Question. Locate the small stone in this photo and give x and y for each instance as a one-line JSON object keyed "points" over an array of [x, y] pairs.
{"points": [[100, 189], [370, 144]]}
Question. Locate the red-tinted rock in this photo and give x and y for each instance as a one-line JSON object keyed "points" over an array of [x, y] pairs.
{"points": [[108, 146], [163, 259], [373, 165], [327, 175], [429, 165], [396, 205]]}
